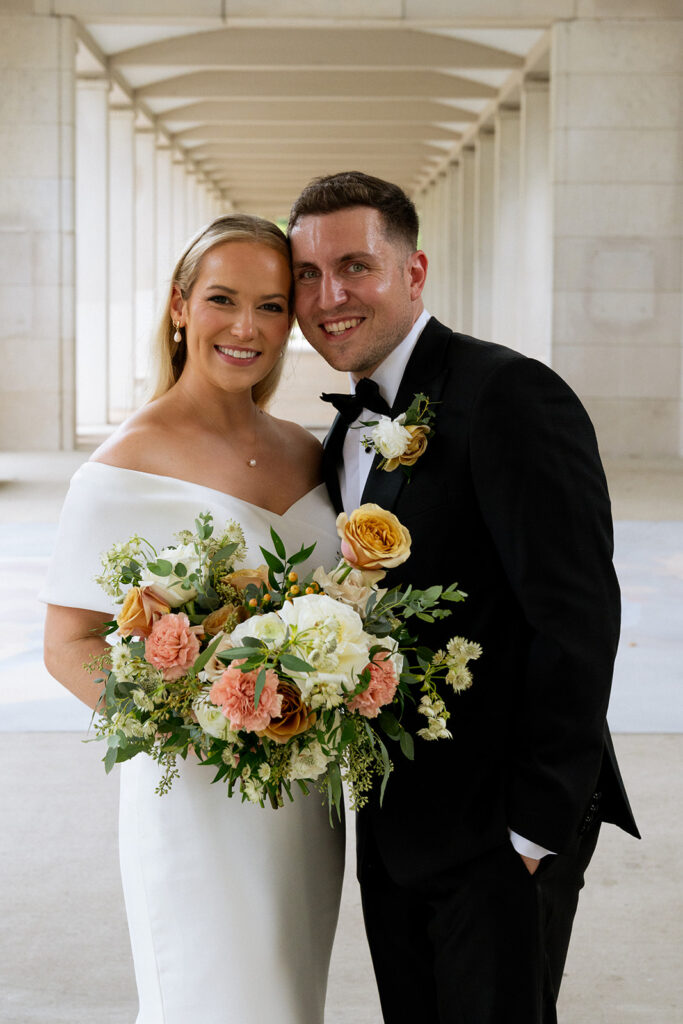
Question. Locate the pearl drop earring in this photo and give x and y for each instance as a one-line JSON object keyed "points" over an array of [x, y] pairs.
{"points": [[177, 337]]}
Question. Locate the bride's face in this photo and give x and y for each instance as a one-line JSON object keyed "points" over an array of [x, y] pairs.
{"points": [[236, 317]]}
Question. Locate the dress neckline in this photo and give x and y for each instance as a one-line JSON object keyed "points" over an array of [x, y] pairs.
{"points": [[212, 490]]}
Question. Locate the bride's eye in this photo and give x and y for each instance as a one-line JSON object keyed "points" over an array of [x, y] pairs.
{"points": [[273, 307], [220, 300]]}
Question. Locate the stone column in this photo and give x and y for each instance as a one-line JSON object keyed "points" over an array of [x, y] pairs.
{"points": [[483, 234], [37, 349], [180, 230], [453, 185], [442, 247], [506, 227], [145, 254], [535, 278], [122, 275], [165, 257], [617, 139], [465, 261], [92, 251]]}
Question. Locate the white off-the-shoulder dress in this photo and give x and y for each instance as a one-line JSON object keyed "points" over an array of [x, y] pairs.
{"points": [[231, 907]]}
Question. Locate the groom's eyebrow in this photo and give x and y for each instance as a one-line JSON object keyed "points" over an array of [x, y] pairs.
{"points": [[348, 256]]}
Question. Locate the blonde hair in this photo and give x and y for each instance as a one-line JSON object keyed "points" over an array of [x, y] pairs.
{"points": [[168, 357]]}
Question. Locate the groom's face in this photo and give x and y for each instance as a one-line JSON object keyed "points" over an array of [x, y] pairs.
{"points": [[357, 291]]}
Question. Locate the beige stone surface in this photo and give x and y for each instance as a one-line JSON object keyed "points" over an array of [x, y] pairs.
{"points": [[64, 955]]}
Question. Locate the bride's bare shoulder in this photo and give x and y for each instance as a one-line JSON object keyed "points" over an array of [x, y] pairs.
{"points": [[143, 442]]}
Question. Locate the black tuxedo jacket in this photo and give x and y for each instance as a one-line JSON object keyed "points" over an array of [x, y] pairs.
{"points": [[509, 501]]}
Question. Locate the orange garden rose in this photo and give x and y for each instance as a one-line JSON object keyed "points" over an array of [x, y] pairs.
{"points": [[241, 579], [224, 618], [141, 609], [294, 717], [414, 449], [372, 538]]}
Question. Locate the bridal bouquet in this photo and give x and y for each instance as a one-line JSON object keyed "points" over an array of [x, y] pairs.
{"points": [[268, 678]]}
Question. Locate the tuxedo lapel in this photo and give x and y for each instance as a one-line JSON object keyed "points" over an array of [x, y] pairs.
{"points": [[425, 373], [332, 451]]}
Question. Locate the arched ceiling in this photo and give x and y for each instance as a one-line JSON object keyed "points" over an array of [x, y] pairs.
{"points": [[259, 109]]}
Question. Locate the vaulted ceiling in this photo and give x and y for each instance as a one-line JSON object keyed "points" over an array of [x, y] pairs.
{"points": [[260, 109]]}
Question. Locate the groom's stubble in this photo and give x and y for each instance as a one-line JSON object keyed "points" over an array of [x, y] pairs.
{"points": [[358, 292]]}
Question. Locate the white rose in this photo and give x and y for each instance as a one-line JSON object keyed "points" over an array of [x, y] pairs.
{"points": [[355, 589], [212, 720], [269, 627], [328, 635], [308, 762], [390, 437], [170, 588]]}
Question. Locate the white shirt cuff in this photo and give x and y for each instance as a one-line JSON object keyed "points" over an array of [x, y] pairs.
{"points": [[526, 847]]}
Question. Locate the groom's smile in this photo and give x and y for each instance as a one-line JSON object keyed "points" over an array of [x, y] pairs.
{"points": [[355, 287]]}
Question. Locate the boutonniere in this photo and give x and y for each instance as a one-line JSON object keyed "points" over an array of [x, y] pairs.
{"points": [[403, 440]]}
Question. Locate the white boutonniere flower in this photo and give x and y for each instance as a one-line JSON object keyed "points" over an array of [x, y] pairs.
{"points": [[401, 441]]}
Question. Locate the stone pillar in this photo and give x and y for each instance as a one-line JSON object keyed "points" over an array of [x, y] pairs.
{"points": [[483, 235], [535, 278], [617, 139], [122, 275], [465, 261], [37, 349], [442, 248], [180, 231], [145, 254], [165, 257], [453, 185], [506, 227], [92, 251]]}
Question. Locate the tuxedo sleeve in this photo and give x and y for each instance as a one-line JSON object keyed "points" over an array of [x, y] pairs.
{"points": [[543, 496]]}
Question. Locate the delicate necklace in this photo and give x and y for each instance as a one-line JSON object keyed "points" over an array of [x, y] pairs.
{"points": [[251, 462]]}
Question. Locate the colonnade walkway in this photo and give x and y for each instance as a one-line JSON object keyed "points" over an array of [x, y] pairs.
{"points": [[64, 954]]}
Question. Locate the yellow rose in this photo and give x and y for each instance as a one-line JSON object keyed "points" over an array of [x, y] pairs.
{"points": [[372, 538], [294, 717], [415, 448], [241, 579], [141, 608]]}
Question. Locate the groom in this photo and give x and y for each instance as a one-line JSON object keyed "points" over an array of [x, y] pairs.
{"points": [[470, 871]]}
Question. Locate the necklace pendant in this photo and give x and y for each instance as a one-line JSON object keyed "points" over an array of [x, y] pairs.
{"points": [[251, 462]]}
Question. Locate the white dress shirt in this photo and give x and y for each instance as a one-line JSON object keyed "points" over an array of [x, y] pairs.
{"points": [[356, 463]]}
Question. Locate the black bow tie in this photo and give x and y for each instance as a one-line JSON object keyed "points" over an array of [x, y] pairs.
{"points": [[367, 396]]}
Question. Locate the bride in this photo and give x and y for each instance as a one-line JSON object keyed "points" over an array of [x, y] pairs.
{"points": [[231, 908]]}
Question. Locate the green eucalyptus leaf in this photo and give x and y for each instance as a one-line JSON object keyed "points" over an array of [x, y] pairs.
{"points": [[302, 555], [260, 683], [277, 544], [294, 664], [272, 562], [407, 744]]}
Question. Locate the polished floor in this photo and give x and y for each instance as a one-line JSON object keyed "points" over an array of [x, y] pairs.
{"points": [[64, 956]]}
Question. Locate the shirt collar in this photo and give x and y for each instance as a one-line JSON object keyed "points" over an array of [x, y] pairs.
{"points": [[389, 373]]}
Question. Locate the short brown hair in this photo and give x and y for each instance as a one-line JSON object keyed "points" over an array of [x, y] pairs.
{"points": [[169, 357], [354, 188]]}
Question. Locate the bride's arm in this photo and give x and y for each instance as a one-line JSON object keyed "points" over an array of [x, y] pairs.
{"points": [[71, 642]]}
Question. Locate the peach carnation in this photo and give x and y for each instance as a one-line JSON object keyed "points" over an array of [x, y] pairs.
{"points": [[172, 645], [381, 688], [234, 694]]}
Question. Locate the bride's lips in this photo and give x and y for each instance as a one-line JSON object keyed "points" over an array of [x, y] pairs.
{"points": [[237, 356], [342, 327]]}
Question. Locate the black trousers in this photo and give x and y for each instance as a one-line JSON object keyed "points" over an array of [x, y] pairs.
{"points": [[485, 944]]}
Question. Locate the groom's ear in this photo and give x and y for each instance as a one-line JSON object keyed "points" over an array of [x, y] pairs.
{"points": [[417, 271]]}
